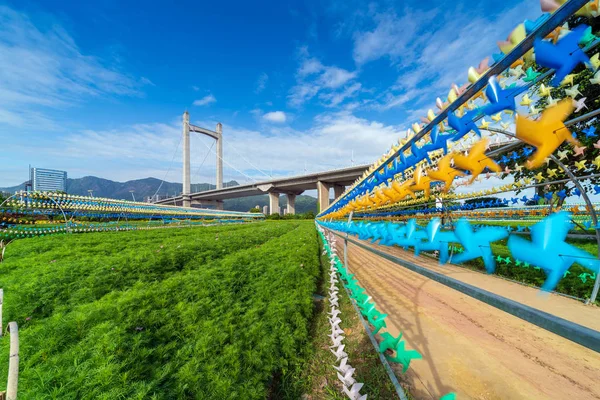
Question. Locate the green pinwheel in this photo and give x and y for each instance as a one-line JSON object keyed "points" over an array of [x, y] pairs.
{"points": [[531, 75], [404, 356], [378, 321], [449, 396], [389, 342]]}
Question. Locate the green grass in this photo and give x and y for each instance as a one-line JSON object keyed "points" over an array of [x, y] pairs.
{"points": [[198, 313]]}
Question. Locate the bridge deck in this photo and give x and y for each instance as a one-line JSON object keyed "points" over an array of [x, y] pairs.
{"points": [[470, 347]]}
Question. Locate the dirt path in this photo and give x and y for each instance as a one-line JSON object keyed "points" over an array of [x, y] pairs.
{"points": [[472, 348]]}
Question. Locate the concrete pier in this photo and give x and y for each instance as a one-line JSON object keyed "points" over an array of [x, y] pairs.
{"points": [[274, 203], [322, 195], [291, 203], [338, 190]]}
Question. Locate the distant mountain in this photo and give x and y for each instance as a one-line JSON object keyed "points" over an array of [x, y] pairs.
{"points": [[143, 188]]}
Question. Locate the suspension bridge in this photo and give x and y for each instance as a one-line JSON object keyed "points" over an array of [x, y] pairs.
{"points": [[292, 186]]}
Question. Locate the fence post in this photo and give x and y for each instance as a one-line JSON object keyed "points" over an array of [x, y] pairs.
{"points": [[13, 363]]}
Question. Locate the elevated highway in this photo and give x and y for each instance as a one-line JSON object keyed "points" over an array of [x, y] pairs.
{"points": [[292, 186]]}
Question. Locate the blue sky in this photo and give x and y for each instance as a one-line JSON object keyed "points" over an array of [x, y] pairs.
{"points": [[98, 88]]}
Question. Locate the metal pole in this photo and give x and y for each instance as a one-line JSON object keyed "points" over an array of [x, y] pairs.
{"points": [[574, 179], [346, 250]]}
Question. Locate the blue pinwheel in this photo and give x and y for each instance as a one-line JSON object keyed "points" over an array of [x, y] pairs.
{"points": [[438, 141], [590, 132], [464, 124], [420, 153], [436, 240], [500, 99], [563, 56], [497, 57], [549, 251], [393, 230], [477, 244], [531, 26], [411, 236], [527, 151]]}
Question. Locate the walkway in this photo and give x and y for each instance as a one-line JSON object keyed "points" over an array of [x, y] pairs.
{"points": [[470, 347]]}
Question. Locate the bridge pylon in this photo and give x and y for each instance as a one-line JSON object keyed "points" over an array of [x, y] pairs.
{"points": [[218, 136]]}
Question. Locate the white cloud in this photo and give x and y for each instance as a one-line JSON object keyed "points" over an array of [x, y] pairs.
{"points": [[275, 116], [206, 100], [431, 50], [335, 98], [392, 36], [310, 66], [261, 82], [142, 150], [334, 77], [42, 67], [313, 77], [301, 93]]}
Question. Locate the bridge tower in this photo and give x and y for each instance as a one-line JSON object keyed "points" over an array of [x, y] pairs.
{"points": [[218, 136]]}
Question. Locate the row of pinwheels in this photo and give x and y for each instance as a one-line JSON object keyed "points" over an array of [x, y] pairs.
{"points": [[541, 178], [369, 311], [21, 232], [52, 200], [547, 250], [400, 174], [344, 370]]}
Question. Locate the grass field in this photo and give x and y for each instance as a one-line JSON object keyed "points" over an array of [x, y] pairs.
{"points": [[218, 312], [207, 312]]}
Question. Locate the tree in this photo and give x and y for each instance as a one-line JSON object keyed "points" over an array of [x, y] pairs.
{"points": [[255, 210]]}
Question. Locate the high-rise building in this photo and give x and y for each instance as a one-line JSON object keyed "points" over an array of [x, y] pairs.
{"points": [[49, 180]]}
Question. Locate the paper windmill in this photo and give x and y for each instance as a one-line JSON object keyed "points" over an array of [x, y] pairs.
{"points": [[549, 251], [404, 356], [564, 56], [436, 240], [445, 173], [477, 244], [547, 133], [389, 342], [476, 161]]}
